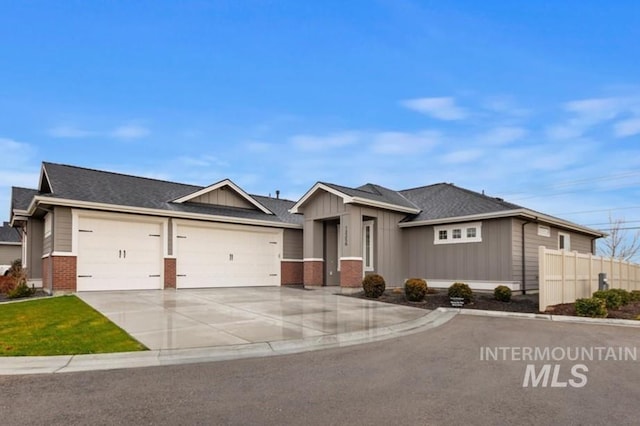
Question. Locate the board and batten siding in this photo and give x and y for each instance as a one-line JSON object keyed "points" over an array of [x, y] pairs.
{"points": [[578, 242], [35, 239], [292, 244], [488, 260], [323, 205], [223, 197]]}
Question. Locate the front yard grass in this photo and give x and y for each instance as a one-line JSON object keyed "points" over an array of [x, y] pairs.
{"points": [[59, 326]]}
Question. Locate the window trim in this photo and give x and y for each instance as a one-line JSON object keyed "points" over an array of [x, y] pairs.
{"points": [[368, 224], [463, 228], [567, 241], [48, 223]]}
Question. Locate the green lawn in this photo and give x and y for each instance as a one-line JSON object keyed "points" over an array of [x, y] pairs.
{"points": [[59, 326]]}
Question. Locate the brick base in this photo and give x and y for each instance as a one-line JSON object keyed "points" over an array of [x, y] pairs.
{"points": [[313, 273], [350, 273], [291, 273], [64, 273], [169, 273]]}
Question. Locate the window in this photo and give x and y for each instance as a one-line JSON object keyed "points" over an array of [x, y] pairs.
{"points": [[460, 233], [564, 241], [47, 225], [544, 231], [367, 245]]}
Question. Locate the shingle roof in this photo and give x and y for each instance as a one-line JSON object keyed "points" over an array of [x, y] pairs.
{"points": [[21, 197], [82, 184], [444, 200], [8, 234], [374, 192]]}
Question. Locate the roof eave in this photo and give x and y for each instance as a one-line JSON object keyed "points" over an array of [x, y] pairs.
{"points": [[155, 212], [524, 213]]}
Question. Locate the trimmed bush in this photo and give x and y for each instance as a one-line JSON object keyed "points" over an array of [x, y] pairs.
{"points": [[461, 290], [625, 296], [635, 295], [415, 289], [373, 286], [21, 290], [611, 298], [502, 293], [593, 308]]}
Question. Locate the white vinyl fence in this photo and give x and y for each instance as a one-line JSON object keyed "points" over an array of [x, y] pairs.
{"points": [[567, 276]]}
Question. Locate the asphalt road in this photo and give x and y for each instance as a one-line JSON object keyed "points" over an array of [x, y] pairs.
{"points": [[433, 377]]}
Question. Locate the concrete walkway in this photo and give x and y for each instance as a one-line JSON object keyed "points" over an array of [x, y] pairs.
{"points": [[215, 324]]}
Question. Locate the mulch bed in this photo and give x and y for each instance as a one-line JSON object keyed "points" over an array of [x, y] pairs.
{"points": [[439, 298], [38, 293], [485, 301], [631, 311]]}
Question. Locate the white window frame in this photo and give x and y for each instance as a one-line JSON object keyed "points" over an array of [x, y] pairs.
{"points": [[463, 228], [47, 225], [368, 254], [567, 241], [544, 231]]}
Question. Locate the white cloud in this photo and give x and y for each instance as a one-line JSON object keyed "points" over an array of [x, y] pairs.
{"points": [[71, 132], [443, 108], [202, 161], [130, 132], [503, 135], [463, 156], [319, 143], [404, 143], [587, 113], [626, 128]]}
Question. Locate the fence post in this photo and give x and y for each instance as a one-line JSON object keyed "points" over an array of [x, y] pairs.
{"points": [[542, 280]]}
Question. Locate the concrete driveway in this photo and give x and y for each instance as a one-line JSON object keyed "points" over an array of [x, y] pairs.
{"points": [[198, 318]]}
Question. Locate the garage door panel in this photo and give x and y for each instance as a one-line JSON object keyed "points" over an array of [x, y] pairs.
{"points": [[119, 255], [213, 257]]}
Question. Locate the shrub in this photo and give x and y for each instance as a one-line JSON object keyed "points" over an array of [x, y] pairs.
{"points": [[461, 290], [635, 295], [415, 289], [21, 290], [625, 296], [593, 307], [373, 285], [502, 293], [611, 298], [6, 284]]}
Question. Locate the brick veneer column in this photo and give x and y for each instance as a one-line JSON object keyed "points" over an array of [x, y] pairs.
{"points": [[350, 273], [169, 273], [313, 274], [64, 277], [46, 276], [291, 272]]}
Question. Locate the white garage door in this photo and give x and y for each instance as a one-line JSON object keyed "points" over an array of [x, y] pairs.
{"points": [[119, 255], [221, 257]]}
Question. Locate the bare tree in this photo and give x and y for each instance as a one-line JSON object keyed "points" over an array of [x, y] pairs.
{"points": [[620, 243]]}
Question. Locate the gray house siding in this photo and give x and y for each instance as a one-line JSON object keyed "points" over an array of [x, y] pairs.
{"points": [[292, 244], [224, 197], [488, 260], [62, 225], [578, 242], [9, 253], [35, 234]]}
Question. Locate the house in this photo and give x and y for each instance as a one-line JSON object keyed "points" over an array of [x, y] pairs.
{"points": [[10, 247], [91, 230]]}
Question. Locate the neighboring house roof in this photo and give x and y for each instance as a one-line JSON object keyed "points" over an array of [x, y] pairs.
{"points": [[9, 235], [70, 185]]}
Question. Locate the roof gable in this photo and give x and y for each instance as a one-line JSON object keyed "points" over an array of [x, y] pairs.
{"points": [[369, 195], [223, 193]]}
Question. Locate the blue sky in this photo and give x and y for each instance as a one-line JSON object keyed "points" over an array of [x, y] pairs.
{"points": [[536, 102]]}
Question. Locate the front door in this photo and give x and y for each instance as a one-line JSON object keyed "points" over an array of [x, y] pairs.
{"points": [[331, 261]]}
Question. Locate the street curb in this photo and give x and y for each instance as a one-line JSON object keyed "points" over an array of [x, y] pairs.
{"points": [[547, 317], [156, 358]]}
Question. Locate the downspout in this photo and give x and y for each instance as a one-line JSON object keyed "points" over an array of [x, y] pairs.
{"points": [[524, 268]]}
